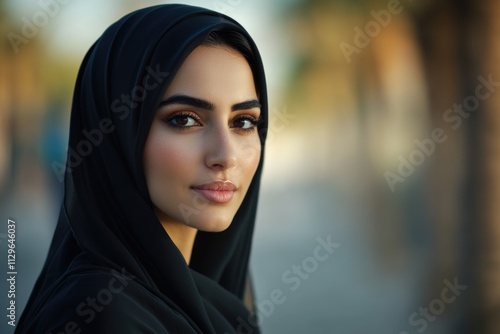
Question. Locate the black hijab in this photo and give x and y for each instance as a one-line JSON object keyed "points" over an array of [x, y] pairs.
{"points": [[108, 236]]}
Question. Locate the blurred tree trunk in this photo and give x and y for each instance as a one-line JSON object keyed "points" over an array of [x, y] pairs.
{"points": [[460, 42], [440, 26], [487, 243]]}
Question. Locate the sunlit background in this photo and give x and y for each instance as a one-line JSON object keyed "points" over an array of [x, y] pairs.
{"points": [[384, 145]]}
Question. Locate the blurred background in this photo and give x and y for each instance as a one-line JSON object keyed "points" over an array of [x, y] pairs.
{"points": [[384, 141]]}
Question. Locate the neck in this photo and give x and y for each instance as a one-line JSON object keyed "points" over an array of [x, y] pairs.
{"points": [[182, 236]]}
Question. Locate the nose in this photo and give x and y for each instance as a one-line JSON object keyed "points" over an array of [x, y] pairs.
{"points": [[221, 149]]}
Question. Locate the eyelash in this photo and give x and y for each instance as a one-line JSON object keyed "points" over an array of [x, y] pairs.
{"points": [[255, 122], [170, 120]]}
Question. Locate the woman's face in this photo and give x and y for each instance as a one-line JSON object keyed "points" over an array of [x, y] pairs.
{"points": [[203, 147]]}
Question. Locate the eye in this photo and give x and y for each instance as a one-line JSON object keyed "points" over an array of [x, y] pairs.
{"points": [[246, 123], [183, 120]]}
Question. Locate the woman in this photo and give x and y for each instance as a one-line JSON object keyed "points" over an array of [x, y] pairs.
{"points": [[168, 123]]}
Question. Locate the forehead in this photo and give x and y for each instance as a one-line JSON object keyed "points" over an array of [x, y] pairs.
{"points": [[210, 71]]}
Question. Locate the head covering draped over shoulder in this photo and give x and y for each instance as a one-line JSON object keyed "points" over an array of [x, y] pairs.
{"points": [[111, 267]]}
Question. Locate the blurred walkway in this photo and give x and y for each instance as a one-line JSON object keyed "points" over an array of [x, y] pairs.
{"points": [[350, 292]]}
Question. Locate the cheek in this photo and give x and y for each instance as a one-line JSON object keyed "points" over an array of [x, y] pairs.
{"points": [[250, 157], [168, 162]]}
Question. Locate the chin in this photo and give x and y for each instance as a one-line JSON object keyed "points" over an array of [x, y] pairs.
{"points": [[212, 224]]}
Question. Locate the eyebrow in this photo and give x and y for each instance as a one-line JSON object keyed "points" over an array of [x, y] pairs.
{"points": [[204, 104]]}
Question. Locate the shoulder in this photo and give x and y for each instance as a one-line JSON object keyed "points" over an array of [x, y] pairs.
{"points": [[104, 301]]}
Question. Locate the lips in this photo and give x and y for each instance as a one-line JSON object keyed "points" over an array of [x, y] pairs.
{"points": [[218, 191]]}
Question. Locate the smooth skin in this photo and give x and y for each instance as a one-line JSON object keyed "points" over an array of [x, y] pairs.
{"points": [[204, 131]]}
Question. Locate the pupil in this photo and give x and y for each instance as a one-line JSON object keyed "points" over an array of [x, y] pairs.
{"points": [[183, 120]]}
